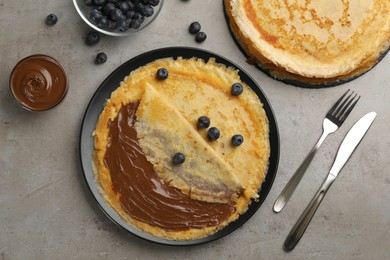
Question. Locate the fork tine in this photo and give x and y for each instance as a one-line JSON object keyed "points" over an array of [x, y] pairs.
{"points": [[345, 115], [330, 112], [341, 109]]}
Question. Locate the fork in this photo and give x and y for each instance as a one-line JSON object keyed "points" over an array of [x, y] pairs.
{"points": [[332, 121]]}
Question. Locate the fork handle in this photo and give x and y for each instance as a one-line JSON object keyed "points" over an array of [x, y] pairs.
{"points": [[303, 222], [289, 189]]}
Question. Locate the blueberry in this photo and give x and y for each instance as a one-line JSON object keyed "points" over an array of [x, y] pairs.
{"points": [[141, 19], [95, 15], [99, 2], [51, 19], [154, 2], [130, 14], [139, 7], [108, 7], [147, 11], [213, 134], [137, 16], [200, 37], [128, 22], [178, 158], [103, 22], [88, 2], [194, 27], [122, 26], [135, 24], [131, 5], [115, 14], [162, 73], [93, 37], [203, 122], [237, 140], [237, 89], [124, 6], [111, 25], [101, 58]]}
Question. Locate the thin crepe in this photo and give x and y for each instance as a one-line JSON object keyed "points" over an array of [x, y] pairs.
{"points": [[162, 131]]}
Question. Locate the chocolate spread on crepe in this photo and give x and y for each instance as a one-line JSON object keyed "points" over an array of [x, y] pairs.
{"points": [[142, 194]]}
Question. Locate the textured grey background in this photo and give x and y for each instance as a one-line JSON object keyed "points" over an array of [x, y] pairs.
{"points": [[47, 212]]}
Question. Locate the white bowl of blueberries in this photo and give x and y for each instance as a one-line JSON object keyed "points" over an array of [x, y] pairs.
{"points": [[118, 17]]}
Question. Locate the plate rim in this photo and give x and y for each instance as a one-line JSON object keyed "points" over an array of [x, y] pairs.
{"points": [[86, 136]]}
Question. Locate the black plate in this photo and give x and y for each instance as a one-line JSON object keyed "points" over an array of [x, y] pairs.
{"points": [[112, 82], [294, 82]]}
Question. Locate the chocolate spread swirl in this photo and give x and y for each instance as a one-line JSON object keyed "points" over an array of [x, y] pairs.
{"points": [[38, 82], [142, 193]]}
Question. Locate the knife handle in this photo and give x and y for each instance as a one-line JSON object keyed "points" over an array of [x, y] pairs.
{"points": [[303, 222]]}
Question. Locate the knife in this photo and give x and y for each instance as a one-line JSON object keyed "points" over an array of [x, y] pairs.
{"points": [[347, 147]]}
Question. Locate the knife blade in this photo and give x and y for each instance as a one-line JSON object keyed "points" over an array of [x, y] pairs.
{"points": [[346, 149]]}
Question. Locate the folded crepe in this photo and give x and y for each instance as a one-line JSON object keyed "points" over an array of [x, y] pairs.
{"points": [[163, 131]]}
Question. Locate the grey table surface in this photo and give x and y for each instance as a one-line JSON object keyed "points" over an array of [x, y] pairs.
{"points": [[47, 212]]}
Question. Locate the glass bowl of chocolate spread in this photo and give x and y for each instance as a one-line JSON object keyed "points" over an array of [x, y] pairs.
{"points": [[38, 82]]}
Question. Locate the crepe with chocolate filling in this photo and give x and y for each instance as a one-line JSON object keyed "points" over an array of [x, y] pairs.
{"points": [[162, 131], [313, 42], [153, 196]]}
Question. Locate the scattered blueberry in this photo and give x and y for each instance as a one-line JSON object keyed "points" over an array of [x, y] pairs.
{"points": [[101, 58], [194, 27], [93, 37], [213, 134], [178, 158], [237, 89], [51, 19], [203, 122], [162, 73], [237, 140], [200, 37]]}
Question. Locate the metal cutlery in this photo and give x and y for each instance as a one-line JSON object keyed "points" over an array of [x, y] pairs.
{"points": [[332, 121], [347, 147]]}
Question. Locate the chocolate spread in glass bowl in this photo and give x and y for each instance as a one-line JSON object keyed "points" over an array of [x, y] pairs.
{"points": [[38, 82]]}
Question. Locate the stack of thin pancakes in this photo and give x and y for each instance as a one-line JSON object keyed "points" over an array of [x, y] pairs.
{"points": [[313, 42], [147, 120]]}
